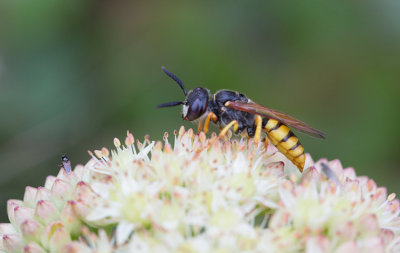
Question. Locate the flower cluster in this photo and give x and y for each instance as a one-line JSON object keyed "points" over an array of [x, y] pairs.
{"points": [[231, 196]]}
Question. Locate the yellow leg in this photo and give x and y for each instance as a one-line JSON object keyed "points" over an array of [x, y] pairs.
{"points": [[258, 123], [257, 136], [200, 126], [212, 116], [266, 141], [233, 123]]}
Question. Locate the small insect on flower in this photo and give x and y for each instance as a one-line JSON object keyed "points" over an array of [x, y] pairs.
{"points": [[228, 109], [66, 164], [329, 173]]}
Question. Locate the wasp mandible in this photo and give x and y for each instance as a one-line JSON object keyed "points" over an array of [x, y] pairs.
{"points": [[228, 109]]}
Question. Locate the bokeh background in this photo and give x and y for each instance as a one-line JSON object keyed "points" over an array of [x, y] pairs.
{"points": [[75, 74]]}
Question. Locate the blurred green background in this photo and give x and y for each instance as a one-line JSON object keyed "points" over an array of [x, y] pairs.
{"points": [[74, 74]]}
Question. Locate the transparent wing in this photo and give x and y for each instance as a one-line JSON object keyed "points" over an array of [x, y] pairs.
{"points": [[270, 113]]}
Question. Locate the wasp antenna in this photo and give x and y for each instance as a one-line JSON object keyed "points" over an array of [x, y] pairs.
{"points": [[175, 78], [169, 104]]}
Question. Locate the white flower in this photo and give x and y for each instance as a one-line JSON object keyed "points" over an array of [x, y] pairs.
{"points": [[231, 196]]}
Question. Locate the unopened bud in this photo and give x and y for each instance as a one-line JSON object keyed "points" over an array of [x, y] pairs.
{"points": [[46, 212]]}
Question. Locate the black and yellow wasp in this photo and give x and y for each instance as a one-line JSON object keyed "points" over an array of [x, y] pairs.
{"points": [[231, 109]]}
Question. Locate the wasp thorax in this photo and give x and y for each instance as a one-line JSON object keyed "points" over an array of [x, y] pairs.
{"points": [[195, 103]]}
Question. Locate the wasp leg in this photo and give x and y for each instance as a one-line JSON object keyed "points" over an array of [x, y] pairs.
{"points": [[258, 123], [233, 123], [200, 126], [257, 136], [266, 141], [212, 116]]}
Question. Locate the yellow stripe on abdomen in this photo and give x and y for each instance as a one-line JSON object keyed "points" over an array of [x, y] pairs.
{"points": [[285, 141], [272, 125]]}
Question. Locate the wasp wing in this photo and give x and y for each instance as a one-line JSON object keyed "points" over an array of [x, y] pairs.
{"points": [[254, 108]]}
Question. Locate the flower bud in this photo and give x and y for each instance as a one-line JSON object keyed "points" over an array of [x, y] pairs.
{"points": [[12, 242], [70, 218], [369, 225], [49, 182], [117, 142], [59, 238], [46, 212], [311, 174], [346, 231], [82, 209], [29, 196], [11, 204], [274, 169], [85, 192], [42, 194], [33, 247], [317, 244], [85, 199], [76, 247], [347, 247], [129, 140], [22, 213], [31, 230], [61, 192], [371, 244], [349, 173], [48, 233], [7, 228]]}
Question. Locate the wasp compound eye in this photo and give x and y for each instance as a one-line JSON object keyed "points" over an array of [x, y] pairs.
{"points": [[196, 104], [195, 110]]}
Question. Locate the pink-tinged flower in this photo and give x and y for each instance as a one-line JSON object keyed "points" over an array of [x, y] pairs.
{"points": [[350, 212], [29, 196], [70, 218], [11, 243], [7, 228], [11, 205], [32, 247], [32, 221], [46, 212], [58, 239], [95, 242], [61, 193], [43, 193], [21, 214], [54, 236], [31, 230], [191, 196]]}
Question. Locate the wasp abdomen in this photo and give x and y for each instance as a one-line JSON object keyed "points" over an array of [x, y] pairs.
{"points": [[285, 141]]}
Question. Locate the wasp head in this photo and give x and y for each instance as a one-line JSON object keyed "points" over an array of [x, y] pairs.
{"points": [[195, 103]]}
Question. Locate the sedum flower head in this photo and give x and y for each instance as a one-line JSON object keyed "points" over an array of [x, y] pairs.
{"points": [[234, 196]]}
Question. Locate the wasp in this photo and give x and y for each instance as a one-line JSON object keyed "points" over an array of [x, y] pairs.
{"points": [[228, 108]]}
